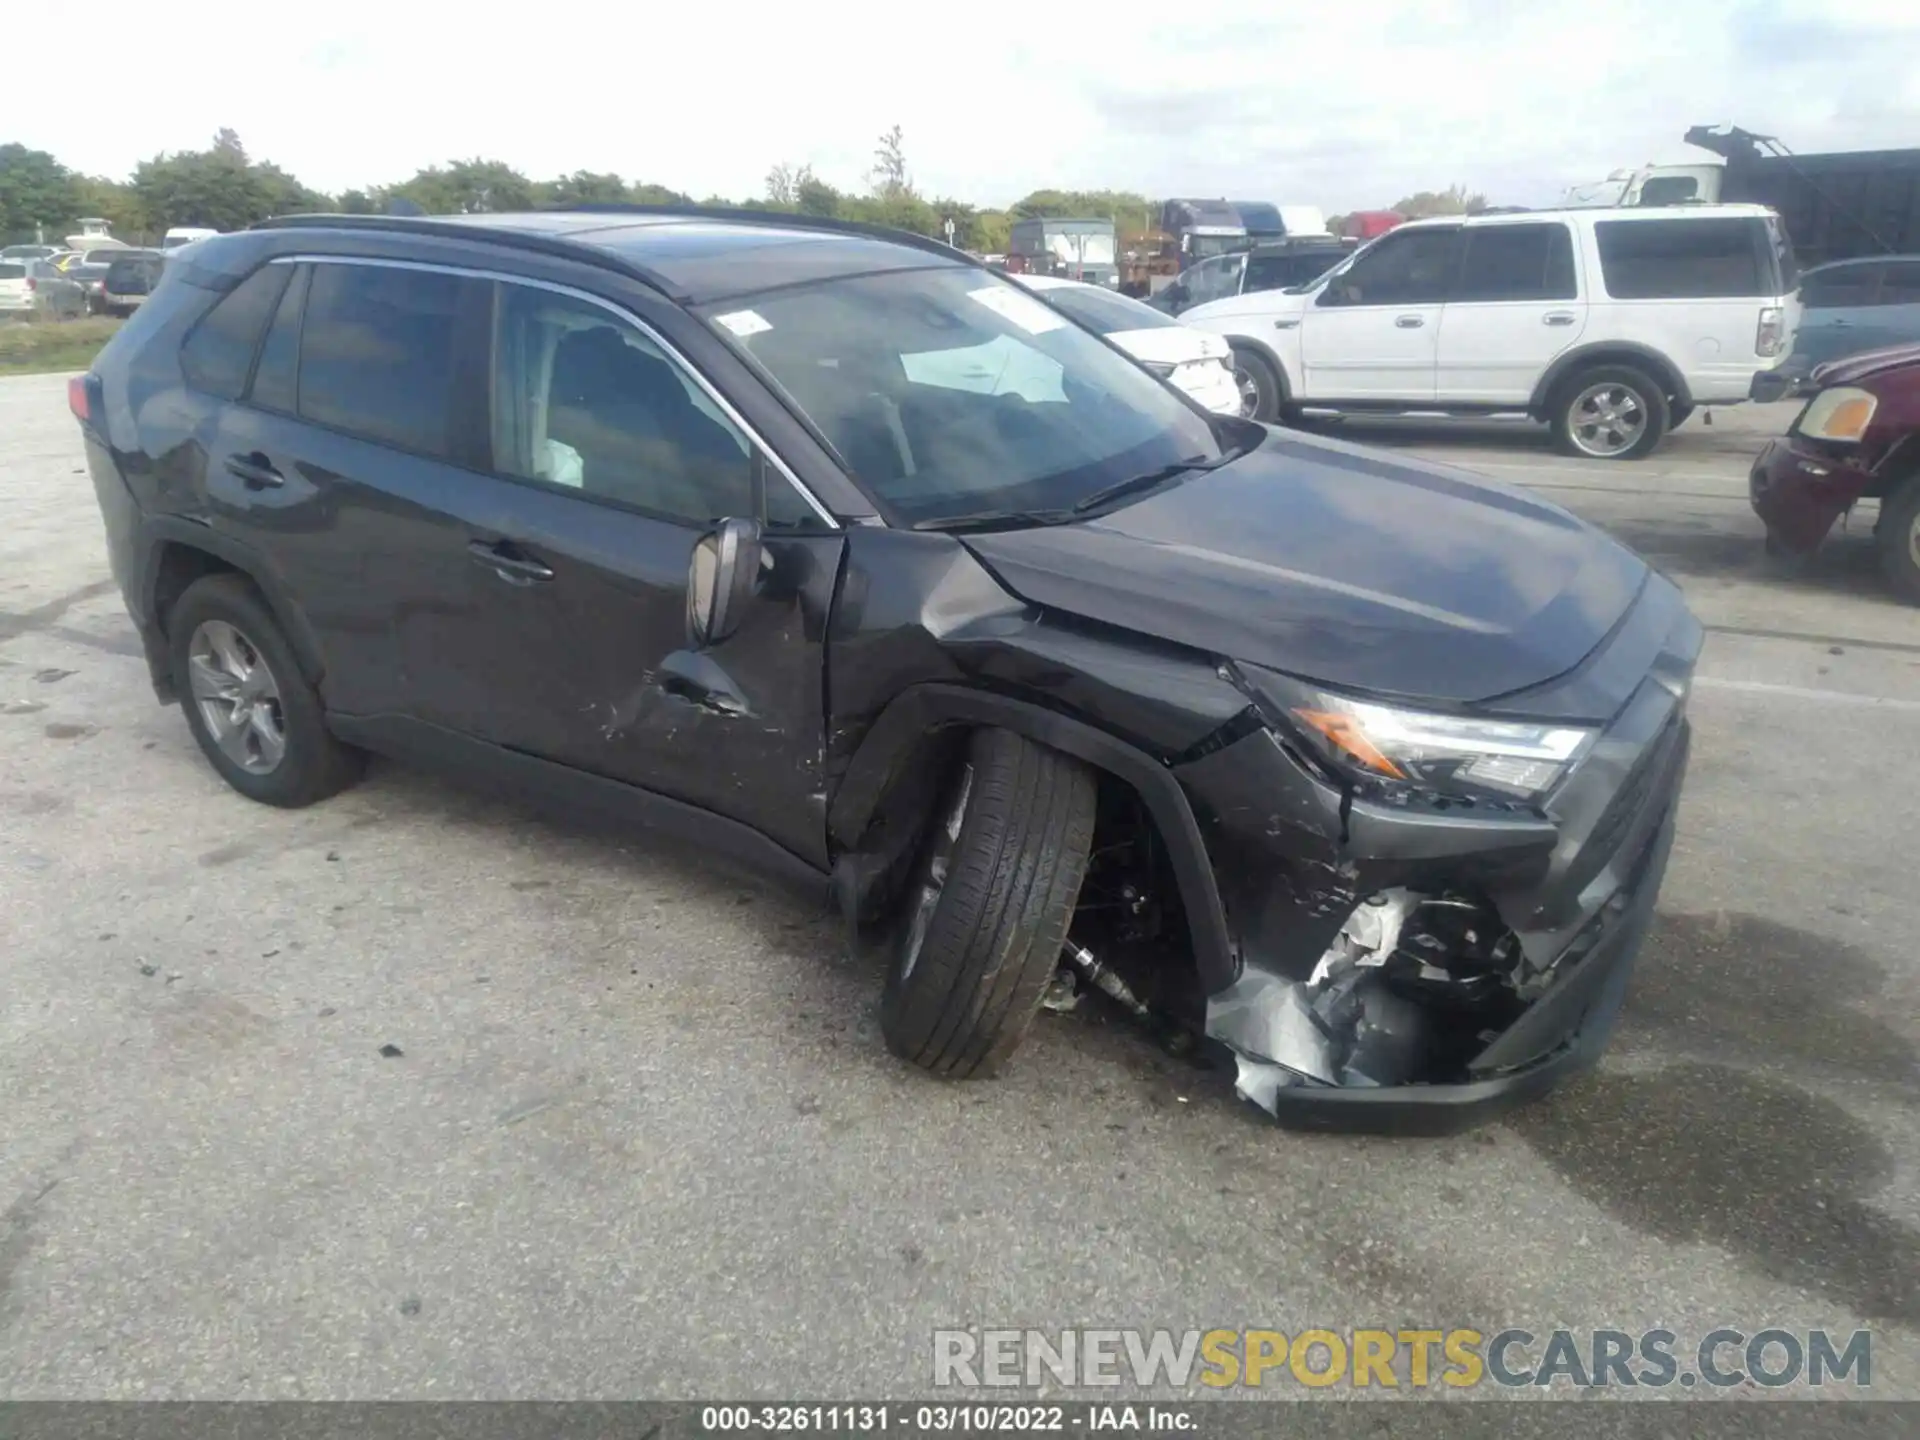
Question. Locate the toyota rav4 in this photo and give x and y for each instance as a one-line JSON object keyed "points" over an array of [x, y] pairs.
{"points": [[1362, 770]]}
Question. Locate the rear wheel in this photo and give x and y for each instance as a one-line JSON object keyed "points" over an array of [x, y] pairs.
{"points": [[1259, 385], [258, 721], [1611, 412], [978, 936], [1898, 535]]}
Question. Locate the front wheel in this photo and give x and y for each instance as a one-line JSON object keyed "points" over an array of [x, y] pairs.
{"points": [[1259, 385], [1611, 412], [979, 932], [1898, 536]]}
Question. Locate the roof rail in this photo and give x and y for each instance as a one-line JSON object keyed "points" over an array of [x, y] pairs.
{"points": [[462, 228], [782, 219]]}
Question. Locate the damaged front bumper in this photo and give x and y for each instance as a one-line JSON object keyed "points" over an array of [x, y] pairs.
{"points": [[1416, 968]]}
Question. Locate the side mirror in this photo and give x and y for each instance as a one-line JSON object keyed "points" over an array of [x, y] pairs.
{"points": [[721, 579]]}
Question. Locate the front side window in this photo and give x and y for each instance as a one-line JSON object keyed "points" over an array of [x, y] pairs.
{"points": [[1840, 287], [1901, 283], [1215, 279], [1695, 259], [585, 401], [950, 393], [377, 354], [1517, 262], [219, 352], [1409, 267]]}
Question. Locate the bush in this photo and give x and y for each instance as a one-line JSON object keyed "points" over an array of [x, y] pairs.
{"points": [[40, 347]]}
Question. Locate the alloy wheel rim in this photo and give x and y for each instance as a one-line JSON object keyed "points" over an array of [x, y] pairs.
{"points": [[1607, 419], [939, 861], [238, 698], [1249, 392]]}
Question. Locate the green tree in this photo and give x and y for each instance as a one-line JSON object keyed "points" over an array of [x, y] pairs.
{"points": [[35, 190], [786, 182], [650, 194], [889, 173], [115, 202], [217, 187], [816, 197], [582, 187], [1454, 200], [468, 187]]}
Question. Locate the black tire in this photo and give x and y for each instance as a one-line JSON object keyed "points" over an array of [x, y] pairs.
{"points": [[1648, 397], [1898, 536], [959, 1000], [1253, 370], [314, 765]]}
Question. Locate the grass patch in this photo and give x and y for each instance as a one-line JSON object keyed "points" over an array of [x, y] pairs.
{"points": [[42, 347]]}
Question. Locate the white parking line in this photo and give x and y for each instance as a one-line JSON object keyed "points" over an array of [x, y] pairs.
{"points": [[1804, 692]]}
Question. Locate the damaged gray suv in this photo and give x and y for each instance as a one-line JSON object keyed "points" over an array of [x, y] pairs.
{"points": [[830, 549]]}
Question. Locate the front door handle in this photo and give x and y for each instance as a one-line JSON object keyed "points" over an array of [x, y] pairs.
{"points": [[509, 562], [1410, 322], [255, 471], [1558, 317]]}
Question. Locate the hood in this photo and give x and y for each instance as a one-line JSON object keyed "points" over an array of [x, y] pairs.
{"points": [[1355, 568], [1222, 314], [1859, 367], [1171, 344]]}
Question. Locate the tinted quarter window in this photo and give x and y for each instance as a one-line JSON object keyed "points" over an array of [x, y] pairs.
{"points": [[1693, 259], [275, 377], [1517, 262], [1409, 268], [1839, 287], [219, 352], [585, 401], [1902, 283]]}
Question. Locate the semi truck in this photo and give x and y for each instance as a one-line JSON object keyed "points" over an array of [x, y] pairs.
{"points": [[1075, 249], [1835, 206]]}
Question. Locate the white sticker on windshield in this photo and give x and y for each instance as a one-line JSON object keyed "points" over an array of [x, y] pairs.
{"points": [[743, 323], [1023, 310]]}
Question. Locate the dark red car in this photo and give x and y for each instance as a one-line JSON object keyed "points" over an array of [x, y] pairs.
{"points": [[1857, 438]]}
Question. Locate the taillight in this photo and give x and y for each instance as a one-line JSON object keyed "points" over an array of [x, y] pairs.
{"points": [[32, 284], [79, 398], [1771, 338]]}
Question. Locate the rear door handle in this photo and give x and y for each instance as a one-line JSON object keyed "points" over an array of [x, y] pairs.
{"points": [[1410, 322], [509, 562], [255, 471], [1558, 317]]}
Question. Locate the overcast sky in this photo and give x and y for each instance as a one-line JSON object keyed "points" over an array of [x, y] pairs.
{"points": [[1352, 107]]}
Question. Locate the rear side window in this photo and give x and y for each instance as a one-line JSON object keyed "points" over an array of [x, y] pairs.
{"points": [[219, 352], [12, 270], [1695, 259], [377, 354], [276, 377], [1517, 262]]}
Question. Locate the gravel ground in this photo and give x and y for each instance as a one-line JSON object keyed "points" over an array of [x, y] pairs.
{"points": [[641, 1136]]}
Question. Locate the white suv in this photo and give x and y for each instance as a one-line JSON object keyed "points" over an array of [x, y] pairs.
{"points": [[1609, 325]]}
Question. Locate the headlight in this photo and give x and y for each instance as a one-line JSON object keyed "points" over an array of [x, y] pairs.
{"points": [[1842, 413], [1447, 752], [1162, 368]]}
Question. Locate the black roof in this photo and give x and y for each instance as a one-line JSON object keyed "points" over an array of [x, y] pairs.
{"points": [[692, 253]]}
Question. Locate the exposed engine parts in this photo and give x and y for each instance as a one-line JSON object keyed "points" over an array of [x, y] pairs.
{"points": [[1410, 988]]}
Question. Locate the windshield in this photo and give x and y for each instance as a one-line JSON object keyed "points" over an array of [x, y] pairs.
{"points": [[949, 392], [1081, 248], [1104, 312]]}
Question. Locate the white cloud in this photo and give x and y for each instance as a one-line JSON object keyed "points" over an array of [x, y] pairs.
{"points": [[1343, 106]]}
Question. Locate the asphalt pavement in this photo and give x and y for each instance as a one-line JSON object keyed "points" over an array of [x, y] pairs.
{"points": [[413, 1094]]}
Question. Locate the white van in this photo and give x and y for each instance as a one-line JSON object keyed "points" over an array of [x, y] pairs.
{"points": [[182, 235], [1611, 325]]}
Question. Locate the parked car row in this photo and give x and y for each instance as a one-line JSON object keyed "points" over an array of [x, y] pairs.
{"points": [[74, 283]]}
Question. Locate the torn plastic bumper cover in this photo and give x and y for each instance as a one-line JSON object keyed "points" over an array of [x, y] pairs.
{"points": [[1409, 970]]}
